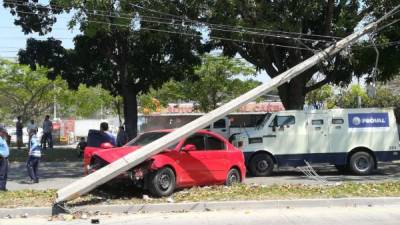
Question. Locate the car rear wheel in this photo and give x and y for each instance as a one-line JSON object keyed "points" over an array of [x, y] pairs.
{"points": [[162, 182], [233, 177], [261, 165], [362, 163]]}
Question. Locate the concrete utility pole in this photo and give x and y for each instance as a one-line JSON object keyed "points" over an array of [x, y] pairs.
{"points": [[88, 183]]}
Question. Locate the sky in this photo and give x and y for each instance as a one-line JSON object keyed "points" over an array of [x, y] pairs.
{"points": [[12, 38]]}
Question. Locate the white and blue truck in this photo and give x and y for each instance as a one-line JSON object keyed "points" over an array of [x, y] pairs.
{"points": [[354, 139]]}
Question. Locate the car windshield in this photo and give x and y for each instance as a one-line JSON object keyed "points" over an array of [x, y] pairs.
{"points": [[261, 123], [146, 138]]}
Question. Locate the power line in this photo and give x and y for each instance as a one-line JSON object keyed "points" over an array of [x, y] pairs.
{"points": [[211, 37], [188, 34], [235, 27], [225, 28], [37, 38], [172, 22]]}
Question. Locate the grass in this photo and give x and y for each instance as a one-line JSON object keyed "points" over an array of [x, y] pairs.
{"points": [[25, 198], [125, 195], [55, 155]]}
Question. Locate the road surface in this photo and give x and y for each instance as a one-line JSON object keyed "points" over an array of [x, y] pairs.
{"points": [[389, 215], [55, 175]]}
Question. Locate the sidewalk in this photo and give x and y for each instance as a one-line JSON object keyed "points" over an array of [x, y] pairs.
{"points": [[208, 206]]}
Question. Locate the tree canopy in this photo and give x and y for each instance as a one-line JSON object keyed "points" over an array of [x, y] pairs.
{"points": [[31, 95], [24, 92], [111, 50], [325, 20]]}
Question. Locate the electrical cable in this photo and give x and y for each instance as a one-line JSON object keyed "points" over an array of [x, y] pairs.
{"points": [[188, 34], [213, 26]]}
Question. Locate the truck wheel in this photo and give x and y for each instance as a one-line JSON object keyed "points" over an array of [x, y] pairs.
{"points": [[261, 165], [233, 177], [162, 182], [362, 163]]}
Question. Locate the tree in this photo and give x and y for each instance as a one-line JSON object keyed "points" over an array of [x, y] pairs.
{"points": [[113, 50], [31, 95], [85, 102], [266, 49], [324, 94], [26, 93], [349, 98], [216, 84]]}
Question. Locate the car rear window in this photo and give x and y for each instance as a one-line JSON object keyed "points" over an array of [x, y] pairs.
{"points": [[146, 138], [215, 144]]}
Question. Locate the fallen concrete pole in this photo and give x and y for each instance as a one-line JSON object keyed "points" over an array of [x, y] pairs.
{"points": [[88, 183]]}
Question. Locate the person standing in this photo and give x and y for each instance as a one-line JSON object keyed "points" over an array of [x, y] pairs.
{"points": [[31, 127], [4, 152], [122, 137], [34, 158], [104, 130], [19, 133], [81, 146], [47, 133]]}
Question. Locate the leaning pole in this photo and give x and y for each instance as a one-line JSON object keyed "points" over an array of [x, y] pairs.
{"points": [[88, 183]]}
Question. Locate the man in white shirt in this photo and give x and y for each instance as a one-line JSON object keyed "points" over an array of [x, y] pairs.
{"points": [[34, 158], [31, 127]]}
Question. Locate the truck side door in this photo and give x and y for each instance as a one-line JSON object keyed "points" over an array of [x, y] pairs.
{"points": [[318, 137], [286, 139]]}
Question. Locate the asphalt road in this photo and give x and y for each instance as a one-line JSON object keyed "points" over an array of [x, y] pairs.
{"points": [[56, 175], [389, 215]]}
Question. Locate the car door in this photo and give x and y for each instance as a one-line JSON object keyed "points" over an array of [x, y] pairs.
{"points": [[217, 159], [193, 163]]}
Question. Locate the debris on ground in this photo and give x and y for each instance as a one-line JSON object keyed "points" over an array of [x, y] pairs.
{"points": [[146, 198]]}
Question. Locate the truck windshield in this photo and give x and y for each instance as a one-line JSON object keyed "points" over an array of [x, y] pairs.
{"points": [[146, 138], [261, 123]]}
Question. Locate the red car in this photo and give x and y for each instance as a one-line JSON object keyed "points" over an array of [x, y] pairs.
{"points": [[204, 158]]}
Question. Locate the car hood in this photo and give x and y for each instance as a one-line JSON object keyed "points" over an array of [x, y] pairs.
{"points": [[113, 154]]}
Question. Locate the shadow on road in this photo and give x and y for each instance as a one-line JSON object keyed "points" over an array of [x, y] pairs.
{"points": [[385, 172]]}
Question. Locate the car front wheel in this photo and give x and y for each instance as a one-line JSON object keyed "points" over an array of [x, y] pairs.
{"points": [[162, 182], [233, 177]]}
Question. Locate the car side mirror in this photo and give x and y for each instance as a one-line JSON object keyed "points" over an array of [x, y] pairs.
{"points": [[106, 145], [189, 147]]}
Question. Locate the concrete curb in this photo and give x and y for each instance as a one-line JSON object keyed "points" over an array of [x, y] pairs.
{"points": [[208, 206]]}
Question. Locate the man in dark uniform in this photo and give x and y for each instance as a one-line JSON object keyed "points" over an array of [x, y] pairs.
{"points": [[4, 152]]}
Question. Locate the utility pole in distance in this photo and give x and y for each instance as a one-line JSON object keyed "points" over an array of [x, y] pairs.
{"points": [[88, 183]]}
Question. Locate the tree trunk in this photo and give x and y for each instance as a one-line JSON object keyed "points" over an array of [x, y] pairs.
{"points": [[293, 94], [130, 110]]}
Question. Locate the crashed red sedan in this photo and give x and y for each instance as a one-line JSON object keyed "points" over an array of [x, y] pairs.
{"points": [[205, 158]]}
